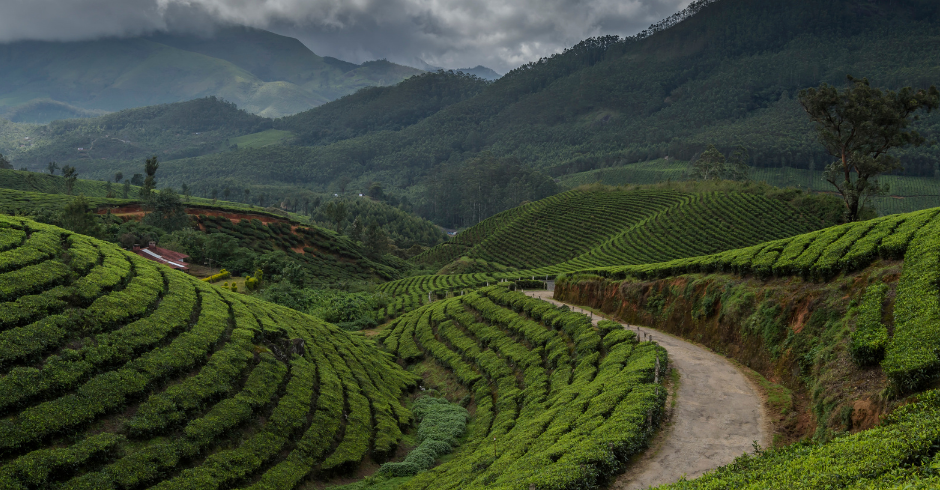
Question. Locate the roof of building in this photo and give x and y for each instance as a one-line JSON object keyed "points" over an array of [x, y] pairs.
{"points": [[164, 256]]}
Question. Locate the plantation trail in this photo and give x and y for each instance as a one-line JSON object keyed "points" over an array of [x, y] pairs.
{"points": [[718, 415]]}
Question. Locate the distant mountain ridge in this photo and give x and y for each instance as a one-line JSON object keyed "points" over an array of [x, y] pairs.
{"points": [[262, 72]]}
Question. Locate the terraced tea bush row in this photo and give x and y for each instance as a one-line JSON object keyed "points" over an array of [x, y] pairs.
{"points": [[702, 224], [40, 468], [564, 410], [870, 336], [912, 358], [818, 255], [568, 225], [223, 389]]}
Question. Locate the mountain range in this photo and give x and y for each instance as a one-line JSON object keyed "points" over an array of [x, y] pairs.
{"points": [[262, 72]]}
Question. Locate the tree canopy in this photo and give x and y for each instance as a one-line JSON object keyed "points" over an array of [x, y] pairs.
{"points": [[860, 126]]}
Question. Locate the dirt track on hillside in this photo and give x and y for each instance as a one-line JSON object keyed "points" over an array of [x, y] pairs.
{"points": [[719, 414]]}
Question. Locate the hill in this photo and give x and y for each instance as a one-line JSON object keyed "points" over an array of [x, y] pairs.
{"points": [[833, 314], [170, 131], [381, 108], [182, 382], [670, 92], [687, 82], [608, 225], [905, 193], [260, 71], [402, 227], [558, 403]]}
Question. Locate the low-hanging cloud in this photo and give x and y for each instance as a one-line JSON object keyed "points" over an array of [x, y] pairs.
{"points": [[450, 33]]}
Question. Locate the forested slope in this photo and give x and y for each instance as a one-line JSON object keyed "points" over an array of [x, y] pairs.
{"points": [[722, 72]]}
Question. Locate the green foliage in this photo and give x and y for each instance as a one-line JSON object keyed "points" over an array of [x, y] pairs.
{"points": [[440, 426], [78, 217], [166, 211], [911, 357], [382, 108], [197, 368], [553, 409], [348, 310], [860, 126], [712, 165], [819, 255], [870, 336], [223, 274]]}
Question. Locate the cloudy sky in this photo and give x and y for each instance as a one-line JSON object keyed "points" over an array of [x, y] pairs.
{"points": [[500, 34]]}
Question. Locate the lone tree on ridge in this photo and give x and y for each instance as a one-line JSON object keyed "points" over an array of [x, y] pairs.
{"points": [[859, 126]]}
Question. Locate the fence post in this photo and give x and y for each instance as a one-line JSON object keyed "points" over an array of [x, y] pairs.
{"points": [[656, 378]]}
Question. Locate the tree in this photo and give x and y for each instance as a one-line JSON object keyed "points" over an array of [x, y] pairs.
{"points": [[375, 191], [376, 241], [77, 217], [137, 179], [127, 188], [166, 211], [709, 165], [71, 175], [215, 194], [226, 192], [712, 165], [356, 230], [186, 192], [336, 210], [150, 182], [109, 191], [4, 163], [860, 125], [248, 196], [52, 167], [118, 176]]}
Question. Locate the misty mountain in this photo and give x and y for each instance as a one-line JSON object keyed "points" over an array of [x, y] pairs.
{"points": [[262, 72], [480, 71]]}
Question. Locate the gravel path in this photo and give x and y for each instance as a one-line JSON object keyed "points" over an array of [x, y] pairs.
{"points": [[718, 415]]}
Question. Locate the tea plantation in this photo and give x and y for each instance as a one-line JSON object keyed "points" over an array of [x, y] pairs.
{"points": [[559, 403], [118, 372], [583, 229]]}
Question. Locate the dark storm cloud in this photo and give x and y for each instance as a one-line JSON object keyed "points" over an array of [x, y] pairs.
{"points": [[501, 34]]}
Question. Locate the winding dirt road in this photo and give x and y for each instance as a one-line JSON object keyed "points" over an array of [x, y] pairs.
{"points": [[718, 415]]}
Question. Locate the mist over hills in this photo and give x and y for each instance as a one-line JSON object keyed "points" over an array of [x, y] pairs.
{"points": [[262, 72]]}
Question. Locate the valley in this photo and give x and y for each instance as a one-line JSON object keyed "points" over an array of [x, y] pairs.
{"points": [[227, 262]]}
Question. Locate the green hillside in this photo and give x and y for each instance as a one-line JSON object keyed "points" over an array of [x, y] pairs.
{"points": [[559, 404], [906, 194], [871, 334], [262, 72], [607, 225], [397, 223], [867, 309], [606, 102], [610, 101], [381, 108], [164, 378]]}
